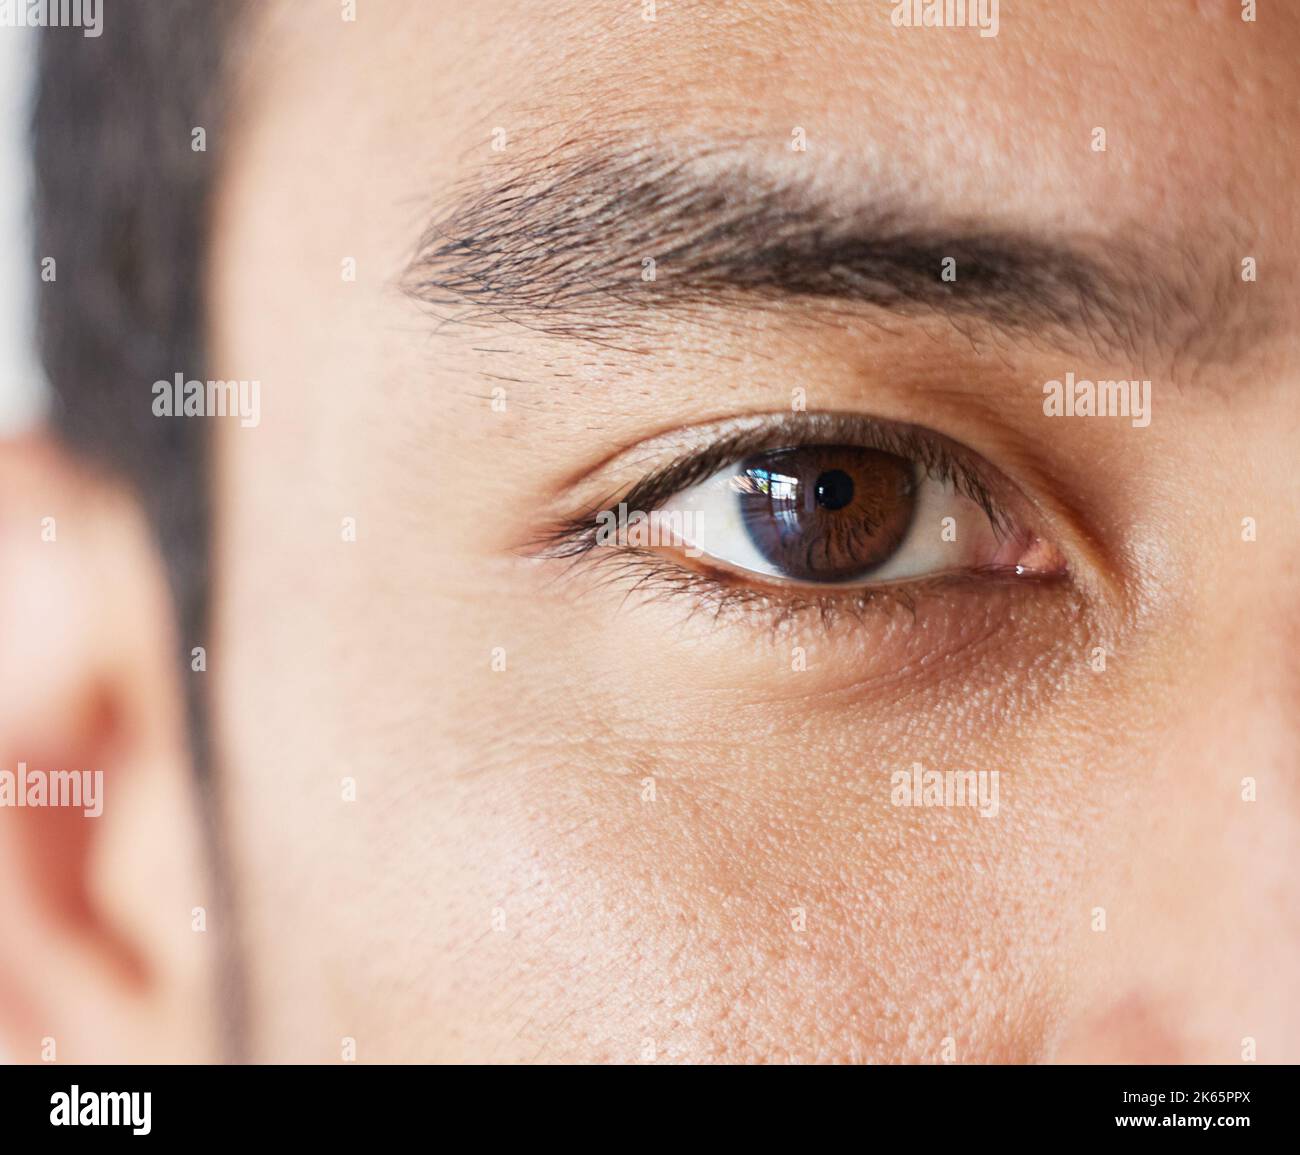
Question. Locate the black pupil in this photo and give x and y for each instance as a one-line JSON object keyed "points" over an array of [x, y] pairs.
{"points": [[834, 489]]}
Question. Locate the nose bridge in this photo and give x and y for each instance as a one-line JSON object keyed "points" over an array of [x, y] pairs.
{"points": [[1229, 783], [1203, 931], [1246, 703], [1232, 749]]}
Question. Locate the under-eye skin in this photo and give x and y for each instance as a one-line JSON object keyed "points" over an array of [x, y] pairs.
{"points": [[827, 512]]}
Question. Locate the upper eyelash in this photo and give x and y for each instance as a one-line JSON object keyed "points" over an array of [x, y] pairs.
{"points": [[939, 458]]}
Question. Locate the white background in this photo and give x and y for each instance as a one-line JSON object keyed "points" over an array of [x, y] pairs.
{"points": [[22, 386]]}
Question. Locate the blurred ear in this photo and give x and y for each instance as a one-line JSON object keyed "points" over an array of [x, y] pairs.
{"points": [[100, 960]]}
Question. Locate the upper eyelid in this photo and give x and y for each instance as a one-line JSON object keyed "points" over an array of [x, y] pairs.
{"points": [[933, 451]]}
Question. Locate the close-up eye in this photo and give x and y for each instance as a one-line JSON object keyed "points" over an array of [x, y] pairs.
{"points": [[848, 515], [832, 503]]}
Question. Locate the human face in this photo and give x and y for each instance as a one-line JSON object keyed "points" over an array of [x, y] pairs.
{"points": [[488, 803]]}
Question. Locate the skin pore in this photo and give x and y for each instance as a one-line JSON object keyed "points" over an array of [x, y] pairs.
{"points": [[484, 802]]}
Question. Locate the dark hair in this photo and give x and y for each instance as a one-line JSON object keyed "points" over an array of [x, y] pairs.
{"points": [[121, 202]]}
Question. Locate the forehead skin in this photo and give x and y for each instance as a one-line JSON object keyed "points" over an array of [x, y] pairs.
{"points": [[501, 889]]}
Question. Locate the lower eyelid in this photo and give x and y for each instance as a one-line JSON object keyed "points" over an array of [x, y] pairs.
{"points": [[934, 606]]}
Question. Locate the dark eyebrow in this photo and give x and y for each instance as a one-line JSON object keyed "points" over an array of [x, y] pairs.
{"points": [[560, 244]]}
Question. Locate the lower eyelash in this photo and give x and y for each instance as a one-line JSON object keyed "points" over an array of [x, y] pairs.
{"points": [[652, 575]]}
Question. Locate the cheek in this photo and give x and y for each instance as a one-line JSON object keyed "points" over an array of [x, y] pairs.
{"points": [[742, 901], [686, 844]]}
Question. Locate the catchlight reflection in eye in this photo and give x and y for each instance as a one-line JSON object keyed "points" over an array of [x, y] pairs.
{"points": [[846, 515]]}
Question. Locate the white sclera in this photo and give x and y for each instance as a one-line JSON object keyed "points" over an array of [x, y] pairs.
{"points": [[712, 513]]}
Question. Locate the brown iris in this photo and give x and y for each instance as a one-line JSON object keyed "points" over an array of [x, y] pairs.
{"points": [[826, 513]]}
